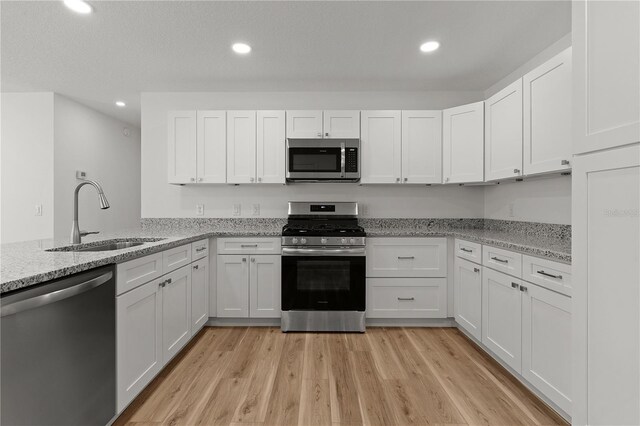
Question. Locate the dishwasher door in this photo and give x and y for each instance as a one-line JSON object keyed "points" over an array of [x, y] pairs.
{"points": [[58, 352]]}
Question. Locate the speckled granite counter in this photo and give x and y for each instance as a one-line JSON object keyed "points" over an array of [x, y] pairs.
{"points": [[28, 263]]}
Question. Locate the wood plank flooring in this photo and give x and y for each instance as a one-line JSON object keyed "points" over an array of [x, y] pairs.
{"points": [[388, 376]]}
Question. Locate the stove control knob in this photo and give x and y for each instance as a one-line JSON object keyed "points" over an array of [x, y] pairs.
{"points": [[352, 241], [323, 241], [343, 241], [303, 241], [294, 240]]}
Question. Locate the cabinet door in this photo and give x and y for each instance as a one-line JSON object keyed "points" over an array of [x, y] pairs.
{"points": [[547, 116], [468, 296], [546, 343], [381, 147], [241, 146], [139, 340], [606, 87], [606, 303], [199, 294], [176, 311], [342, 124], [264, 286], [270, 147], [503, 133], [304, 124], [502, 316], [233, 286], [463, 143], [422, 147], [406, 297], [212, 147], [182, 147]]}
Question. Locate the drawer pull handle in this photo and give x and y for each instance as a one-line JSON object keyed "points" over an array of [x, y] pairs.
{"points": [[406, 257], [406, 298], [476, 269], [466, 249], [499, 260], [248, 245], [200, 249], [514, 285], [559, 277]]}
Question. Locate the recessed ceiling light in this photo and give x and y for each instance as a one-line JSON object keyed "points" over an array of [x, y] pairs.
{"points": [[429, 46], [121, 104], [241, 48], [78, 6]]}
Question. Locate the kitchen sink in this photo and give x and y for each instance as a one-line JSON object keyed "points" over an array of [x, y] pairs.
{"points": [[107, 245]]}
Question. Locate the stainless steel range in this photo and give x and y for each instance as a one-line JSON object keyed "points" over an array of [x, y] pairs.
{"points": [[323, 268]]}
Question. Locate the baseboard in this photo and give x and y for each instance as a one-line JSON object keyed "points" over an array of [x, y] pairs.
{"points": [[516, 375], [370, 322]]}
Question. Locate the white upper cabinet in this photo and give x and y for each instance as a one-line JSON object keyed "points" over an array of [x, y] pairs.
{"points": [[304, 124], [503, 133], [547, 116], [606, 87], [421, 147], [381, 143], [463, 144], [182, 147], [270, 147], [211, 147], [341, 124], [241, 146]]}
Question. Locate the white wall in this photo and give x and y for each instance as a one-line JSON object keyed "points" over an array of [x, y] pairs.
{"points": [[546, 200], [27, 166], [159, 199], [88, 140]]}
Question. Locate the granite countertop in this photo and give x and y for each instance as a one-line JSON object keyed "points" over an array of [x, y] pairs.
{"points": [[28, 263]]}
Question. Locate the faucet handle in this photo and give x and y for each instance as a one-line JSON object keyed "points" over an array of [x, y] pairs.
{"points": [[83, 233]]}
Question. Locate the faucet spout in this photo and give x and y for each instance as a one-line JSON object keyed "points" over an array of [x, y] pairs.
{"points": [[76, 234]]}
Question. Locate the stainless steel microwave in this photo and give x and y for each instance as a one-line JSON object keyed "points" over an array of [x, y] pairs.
{"points": [[323, 160]]}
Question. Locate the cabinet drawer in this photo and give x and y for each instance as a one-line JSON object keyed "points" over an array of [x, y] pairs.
{"points": [[133, 273], [199, 249], [501, 260], [468, 250], [406, 298], [175, 258], [547, 273], [407, 257], [249, 246]]}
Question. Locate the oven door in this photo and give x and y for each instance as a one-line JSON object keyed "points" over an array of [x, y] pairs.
{"points": [[323, 279]]}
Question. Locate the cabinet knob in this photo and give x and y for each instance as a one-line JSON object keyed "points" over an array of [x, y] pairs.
{"points": [[253, 260], [193, 179], [476, 269], [251, 179], [244, 259], [523, 289], [200, 179], [397, 179], [564, 162], [259, 179], [446, 179], [516, 171], [406, 179], [326, 134], [319, 134], [195, 266], [514, 285]]}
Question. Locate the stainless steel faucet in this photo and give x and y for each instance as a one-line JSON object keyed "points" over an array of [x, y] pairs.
{"points": [[76, 233]]}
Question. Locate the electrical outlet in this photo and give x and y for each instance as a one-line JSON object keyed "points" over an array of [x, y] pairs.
{"points": [[510, 209], [237, 209], [199, 209], [38, 209], [256, 210]]}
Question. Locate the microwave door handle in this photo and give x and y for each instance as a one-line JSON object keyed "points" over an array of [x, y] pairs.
{"points": [[342, 159]]}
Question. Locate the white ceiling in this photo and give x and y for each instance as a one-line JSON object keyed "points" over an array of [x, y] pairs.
{"points": [[128, 47]]}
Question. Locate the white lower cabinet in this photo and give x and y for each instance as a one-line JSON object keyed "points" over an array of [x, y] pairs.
{"points": [[139, 340], [468, 296], [248, 286], [199, 294], [546, 343], [502, 317], [406, 297], [176, 311]]}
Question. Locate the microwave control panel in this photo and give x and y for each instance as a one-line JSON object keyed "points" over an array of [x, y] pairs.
{"points": [[351, 160]]}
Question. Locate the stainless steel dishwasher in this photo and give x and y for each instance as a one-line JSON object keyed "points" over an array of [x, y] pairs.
{"points": [[58, 352]]}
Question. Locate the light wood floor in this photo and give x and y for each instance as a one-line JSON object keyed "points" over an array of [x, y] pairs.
{"points": [[388, 376]]}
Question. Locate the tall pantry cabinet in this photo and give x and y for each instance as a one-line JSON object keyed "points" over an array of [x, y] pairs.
{"points": [[606, 212]]}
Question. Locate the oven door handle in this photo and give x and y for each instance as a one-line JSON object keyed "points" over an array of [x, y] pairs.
{"points": [[286, 251]]}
